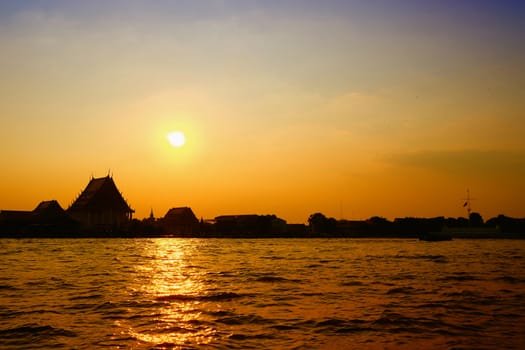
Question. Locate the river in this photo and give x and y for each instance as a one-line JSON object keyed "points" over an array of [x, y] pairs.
{"points": [[170, 293]]}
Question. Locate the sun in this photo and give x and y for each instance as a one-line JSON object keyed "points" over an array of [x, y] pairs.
{"points": [[176, 138]]}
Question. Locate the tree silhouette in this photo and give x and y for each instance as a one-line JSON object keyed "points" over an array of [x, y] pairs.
{"points": [[475, 219], [321, 224]]}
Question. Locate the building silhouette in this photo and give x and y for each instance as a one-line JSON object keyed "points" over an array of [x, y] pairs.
{"points": [[47, 218], [250, 225], [180, 220], [101, 207]]}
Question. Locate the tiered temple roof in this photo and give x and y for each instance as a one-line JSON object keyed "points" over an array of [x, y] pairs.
{"points": [[100, 193]]}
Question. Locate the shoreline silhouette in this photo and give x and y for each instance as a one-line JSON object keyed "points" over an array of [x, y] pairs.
{"points": [[101, 211]]}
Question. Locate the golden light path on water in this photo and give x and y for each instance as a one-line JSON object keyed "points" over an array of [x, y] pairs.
{"points": [[167, 270], [264, 293]]}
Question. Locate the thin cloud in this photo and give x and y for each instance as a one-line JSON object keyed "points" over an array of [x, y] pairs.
{"points": [[464, 162]]}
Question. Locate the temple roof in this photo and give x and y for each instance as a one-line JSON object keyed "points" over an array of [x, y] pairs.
{"points": [[100, 193], [181, 211], [48, 206], [46, 210]]}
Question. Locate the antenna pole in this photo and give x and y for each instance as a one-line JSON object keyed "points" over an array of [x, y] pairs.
{"points": [[469, 208]]}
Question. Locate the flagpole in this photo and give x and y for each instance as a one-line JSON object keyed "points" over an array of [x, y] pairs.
{"points": [[467, 203]]}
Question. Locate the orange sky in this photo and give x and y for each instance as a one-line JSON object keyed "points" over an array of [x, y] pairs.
{"points": [[289, 108]]}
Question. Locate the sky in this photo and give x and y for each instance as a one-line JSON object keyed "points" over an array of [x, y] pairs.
{"points": [[349, 108]]}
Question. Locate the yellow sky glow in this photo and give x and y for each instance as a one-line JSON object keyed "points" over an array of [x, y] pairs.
{"points": [[354, 111]]}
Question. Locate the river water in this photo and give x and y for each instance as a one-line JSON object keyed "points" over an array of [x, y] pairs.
{"points": [[262, 294]]}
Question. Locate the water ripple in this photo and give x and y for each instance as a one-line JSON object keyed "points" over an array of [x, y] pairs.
{"points": [[196, 297], [241, 294]]}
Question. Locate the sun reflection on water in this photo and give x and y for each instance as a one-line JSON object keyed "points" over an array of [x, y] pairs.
{"points": [[178, 339], [166, 270], [170, 279]]}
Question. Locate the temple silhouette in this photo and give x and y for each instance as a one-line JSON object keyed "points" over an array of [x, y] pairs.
{"points": [[101, 207], [100, 210], [47, 218], [180, 220]]}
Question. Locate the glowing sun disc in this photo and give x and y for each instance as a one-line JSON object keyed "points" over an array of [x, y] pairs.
{"points": [[176, 138]]}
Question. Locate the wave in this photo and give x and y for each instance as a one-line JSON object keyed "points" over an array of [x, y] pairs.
{"points": [[218, 313], [338, 326], [197, 267], [283, 327], [387, 322], [33, 332], [174, 329], [7, 287], [194, 297], [313, 266], [238, 336], [244, 320], [83, 297], [458, 278], [273, 257], [17, 313], [275, 279], [401, 290], [397, 323], [510, 279], [437, 258], [352, 283]]}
